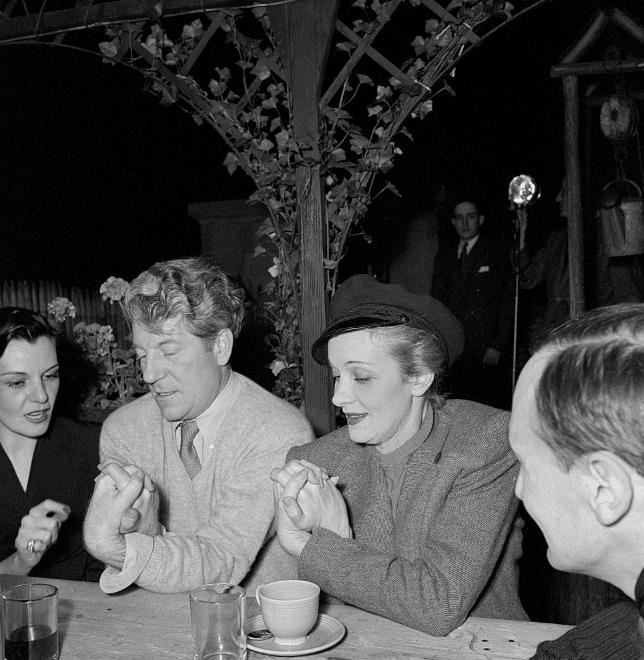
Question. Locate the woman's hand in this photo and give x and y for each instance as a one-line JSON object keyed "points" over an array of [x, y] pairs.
{"points": [[38, 532], [302, 505], [314, 474]]}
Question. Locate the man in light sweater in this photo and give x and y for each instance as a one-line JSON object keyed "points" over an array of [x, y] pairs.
{"points": [[185, 496], [576, 428]]}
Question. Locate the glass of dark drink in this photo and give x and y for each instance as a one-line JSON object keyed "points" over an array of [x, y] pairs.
{"points": [[30, 622]]}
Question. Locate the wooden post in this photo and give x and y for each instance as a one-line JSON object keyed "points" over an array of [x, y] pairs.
{"points": [[303, 30], [573, 184]]}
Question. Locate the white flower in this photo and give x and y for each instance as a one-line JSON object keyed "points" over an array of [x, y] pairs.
{"points": [[113, 289], [60, 309], [275, 269]]}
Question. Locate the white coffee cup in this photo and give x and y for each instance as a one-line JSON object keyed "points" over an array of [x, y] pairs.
{"points": [[289, 609]]}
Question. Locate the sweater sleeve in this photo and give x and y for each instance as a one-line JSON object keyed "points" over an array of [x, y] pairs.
{"points": [[226, 544], [613, 633], [432, 586]]}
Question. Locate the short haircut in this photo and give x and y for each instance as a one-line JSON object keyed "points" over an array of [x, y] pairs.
{"points": [[590, 396], [22, 324], [194, 289], [416, 351]]}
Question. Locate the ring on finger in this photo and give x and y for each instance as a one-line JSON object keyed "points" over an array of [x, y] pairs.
{"points": [[30, 546]]}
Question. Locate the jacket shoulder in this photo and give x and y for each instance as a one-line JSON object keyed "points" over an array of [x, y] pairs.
{"points": [[475, 430]]}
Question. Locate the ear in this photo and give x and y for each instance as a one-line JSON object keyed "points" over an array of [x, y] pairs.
{"points": [[454, 223], [420, 384], [608, 483], [481, 219], [223, 347]]}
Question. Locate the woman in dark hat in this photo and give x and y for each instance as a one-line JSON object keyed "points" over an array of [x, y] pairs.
{"points": [[47, 463], [418, 520]]}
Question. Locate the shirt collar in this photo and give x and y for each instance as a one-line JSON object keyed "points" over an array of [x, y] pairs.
{"points": [[217, 408]]}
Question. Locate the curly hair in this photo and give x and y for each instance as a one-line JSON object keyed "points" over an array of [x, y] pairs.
{"points": [[195, 289]]}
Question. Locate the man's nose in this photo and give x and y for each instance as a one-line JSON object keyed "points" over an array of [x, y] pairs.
{"points": [[152, 371]]}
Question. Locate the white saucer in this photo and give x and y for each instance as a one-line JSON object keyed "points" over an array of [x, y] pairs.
{"points": [[326, 632]]}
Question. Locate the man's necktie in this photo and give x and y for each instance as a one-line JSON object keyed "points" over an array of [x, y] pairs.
{"points": [[464, 255], [188, 453]]}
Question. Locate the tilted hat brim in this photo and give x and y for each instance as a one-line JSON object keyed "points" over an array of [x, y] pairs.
{"points": [[362, 302]]}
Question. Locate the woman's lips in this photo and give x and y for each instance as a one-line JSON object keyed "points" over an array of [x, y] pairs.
{"points": [[353, 418], [38, 416]]}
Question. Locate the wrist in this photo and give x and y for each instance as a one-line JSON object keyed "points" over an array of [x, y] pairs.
{"points": [[112, 552]]}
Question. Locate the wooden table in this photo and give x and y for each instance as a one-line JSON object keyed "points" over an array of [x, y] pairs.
{"points": [[139, 625]]}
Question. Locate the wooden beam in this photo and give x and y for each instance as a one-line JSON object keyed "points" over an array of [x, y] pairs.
{"points": [[573, 185], [627, 24], [587, 39], [375, 55], [432, 5], [357, 54], [216, 19], [590, 68], [303, 31], [32, 26]]}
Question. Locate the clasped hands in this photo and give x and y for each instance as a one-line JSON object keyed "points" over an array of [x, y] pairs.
{"points": [[306, 499], [124, 501]]}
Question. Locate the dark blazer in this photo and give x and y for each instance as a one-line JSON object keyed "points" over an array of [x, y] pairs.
{"points": [[452, 548], [63, 468], [481, 295]]}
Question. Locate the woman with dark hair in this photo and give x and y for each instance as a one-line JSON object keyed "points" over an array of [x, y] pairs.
{"points": [[417, 521], [47, 463]]}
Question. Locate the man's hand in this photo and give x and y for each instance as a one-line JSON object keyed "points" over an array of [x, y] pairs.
{"points": [[102, 529], [143, 516], [491, 357], [39, 531]]}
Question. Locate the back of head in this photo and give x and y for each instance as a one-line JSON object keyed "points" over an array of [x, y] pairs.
{"points": [[22, 324], [591, 393], [194, 289]]}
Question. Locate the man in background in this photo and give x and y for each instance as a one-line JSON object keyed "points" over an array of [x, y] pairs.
{"points": [[185, 497], [473, 279], [576, 428]]}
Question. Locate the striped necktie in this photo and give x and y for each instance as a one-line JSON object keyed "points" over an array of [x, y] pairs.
{"points": [[187, 452]]}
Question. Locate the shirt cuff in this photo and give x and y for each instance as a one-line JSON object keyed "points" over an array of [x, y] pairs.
{"points": [[138, 549]]}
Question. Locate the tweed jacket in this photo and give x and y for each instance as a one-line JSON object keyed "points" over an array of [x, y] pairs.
{"points": [[453, 547], [481, 295]]}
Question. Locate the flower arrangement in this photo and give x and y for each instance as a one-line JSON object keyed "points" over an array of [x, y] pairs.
{"points": [[119, 378]]}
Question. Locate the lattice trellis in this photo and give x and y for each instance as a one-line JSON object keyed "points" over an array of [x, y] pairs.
{"points": [[384, 62]]}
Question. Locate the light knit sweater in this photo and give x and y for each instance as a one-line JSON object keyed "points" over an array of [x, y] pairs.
{"points": [[216, 524]]}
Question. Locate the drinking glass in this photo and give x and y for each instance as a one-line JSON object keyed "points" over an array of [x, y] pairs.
{"points": [[30, 622], [218, 619]]}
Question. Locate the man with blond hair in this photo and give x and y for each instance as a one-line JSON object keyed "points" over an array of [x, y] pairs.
{"points": [[185, 496]]}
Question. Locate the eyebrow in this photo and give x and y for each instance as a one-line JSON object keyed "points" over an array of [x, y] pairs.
{"points": [[24, 373]]}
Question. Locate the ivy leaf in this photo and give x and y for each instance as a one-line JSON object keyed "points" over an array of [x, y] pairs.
{"points": [[110, 48], [331, 264], [231, 162], [365, 80], [338, 154], [346, 46], [265, 145]]}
